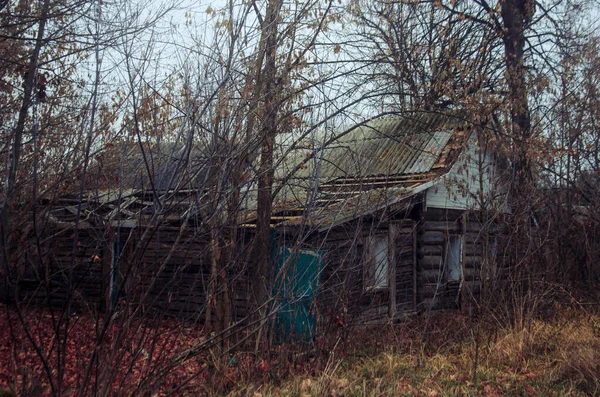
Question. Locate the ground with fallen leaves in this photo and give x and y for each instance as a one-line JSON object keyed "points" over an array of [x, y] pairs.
{"points": [[448, 355]]}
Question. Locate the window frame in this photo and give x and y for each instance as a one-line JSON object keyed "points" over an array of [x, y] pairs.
{"points": [[449, 256], [376, 274]]}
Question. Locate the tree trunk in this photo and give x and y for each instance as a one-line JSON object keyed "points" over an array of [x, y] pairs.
{"points": [[262, 244], [516, 15], [17, 142]]}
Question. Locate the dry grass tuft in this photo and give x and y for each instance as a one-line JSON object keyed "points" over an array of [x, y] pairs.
{"points": [[563, 351], [556, 358]]}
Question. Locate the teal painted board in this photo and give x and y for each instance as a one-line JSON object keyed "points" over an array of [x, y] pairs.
{"points": [[296, 284]]}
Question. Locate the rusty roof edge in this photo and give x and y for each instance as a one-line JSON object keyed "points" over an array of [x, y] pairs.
{"points": [[409, 194]]}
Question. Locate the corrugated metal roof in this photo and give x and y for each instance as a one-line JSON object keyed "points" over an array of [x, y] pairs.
{"points": [[403, 145], [362, 169]]}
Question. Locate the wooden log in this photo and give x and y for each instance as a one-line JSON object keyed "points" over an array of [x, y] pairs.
{"points": [[442, 213], [472, 249], [432, 238], [428, 276], [471, 274], [427, 291], [473, 237], [473, 261], [440, 226], [472, 287], [431, 262], [405, 253], [429, 250]]}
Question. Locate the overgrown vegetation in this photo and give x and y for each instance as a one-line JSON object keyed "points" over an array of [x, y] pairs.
{"points": [[164, 193], [558, 356]]}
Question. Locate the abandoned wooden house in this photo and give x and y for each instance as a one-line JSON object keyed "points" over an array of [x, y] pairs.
{"points": [[386, 218], [383, 220], [135, 237], [374, 223]]}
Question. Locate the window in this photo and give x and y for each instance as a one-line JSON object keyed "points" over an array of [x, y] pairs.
{"points": [[454, 257], [377, 263], [494, 250]]}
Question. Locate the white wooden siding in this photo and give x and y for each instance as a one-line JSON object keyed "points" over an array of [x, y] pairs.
{"points": [[459, 189]]}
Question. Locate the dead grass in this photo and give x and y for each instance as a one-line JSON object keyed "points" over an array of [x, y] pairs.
{"points": [[560, 357]]}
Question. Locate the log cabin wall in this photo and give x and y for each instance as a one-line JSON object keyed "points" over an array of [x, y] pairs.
{"points": [[405, 260], [173, 274], [169, 274], [345, 292], [172, 277], [63, 263], [450, 248], [341, 277]]}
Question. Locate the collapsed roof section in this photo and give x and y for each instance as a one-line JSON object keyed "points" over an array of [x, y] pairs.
{"points": [[319, 183], [363, 169], [126, 208]]}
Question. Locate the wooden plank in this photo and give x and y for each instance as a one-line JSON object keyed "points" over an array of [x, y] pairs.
{"points": [[433, 237], [471, 274], [428, 276], [449, 215], [429, 290], [440, 226], [392, 256], [474, 286], [431, 261], [462, 260], [431, 250], [414, 265], [472, 250], [473, 260]]}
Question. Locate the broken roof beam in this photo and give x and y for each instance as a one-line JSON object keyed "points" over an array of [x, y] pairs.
{"points": [[373, 185], [122, 208], [375, 178]]}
